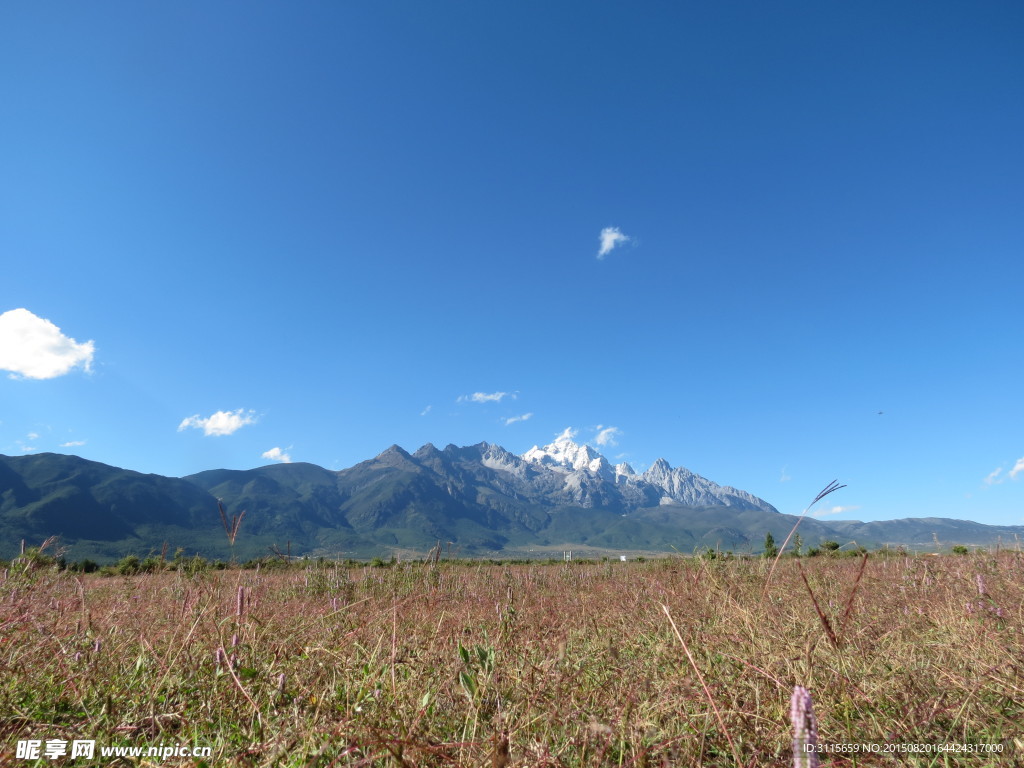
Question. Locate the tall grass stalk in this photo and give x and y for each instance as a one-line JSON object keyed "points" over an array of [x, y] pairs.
{"points": [[830, 488]]}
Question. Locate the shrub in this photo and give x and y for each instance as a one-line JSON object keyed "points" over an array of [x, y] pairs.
{"points": [[129, 565], [33, 559], [191, 565]]}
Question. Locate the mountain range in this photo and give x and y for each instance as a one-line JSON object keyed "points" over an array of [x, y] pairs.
{"points": [[475, 500]]}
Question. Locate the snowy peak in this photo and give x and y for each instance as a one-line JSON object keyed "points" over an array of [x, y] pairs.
{"points": [[588, 476], [657, 472], [662, 474], [564, 454]]}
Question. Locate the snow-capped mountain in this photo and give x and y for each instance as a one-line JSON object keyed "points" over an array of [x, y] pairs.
{"points": [[480, 498], [589, 479], [566, 455]]}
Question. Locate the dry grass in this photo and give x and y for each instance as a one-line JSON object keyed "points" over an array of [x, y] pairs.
{"points": [[524, 665]]}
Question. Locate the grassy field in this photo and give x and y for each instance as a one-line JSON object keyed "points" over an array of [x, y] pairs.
{"points": [[675, 662]]}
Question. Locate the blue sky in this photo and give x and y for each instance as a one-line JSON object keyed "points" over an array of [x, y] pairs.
{"points": [[333, 224]]}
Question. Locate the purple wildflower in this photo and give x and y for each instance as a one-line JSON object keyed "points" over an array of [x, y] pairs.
{"points": [[805, 728]]}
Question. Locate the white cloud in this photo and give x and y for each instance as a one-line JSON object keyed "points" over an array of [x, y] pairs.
{"points": [[834, 511], [993, 477], [482, 397], [607, 435], [32, 435], [514, 419], [426, 410], [784, 478], [72, 443], [28, 448], [220, 423], [34, 348], [276, 454], [568, 434], [610, 238], [1017, 468]]}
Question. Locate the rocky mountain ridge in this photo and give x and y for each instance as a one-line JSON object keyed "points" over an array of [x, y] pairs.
{"points": [[590, 478], [482, 499]]}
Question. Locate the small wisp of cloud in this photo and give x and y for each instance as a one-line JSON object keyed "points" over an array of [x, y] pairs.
{"points": [[483, 397], [1018, 468], [993, 477], [32, 347], [611, 238], [514, 419], [426, 410], [25, 445], [276, 454], [607, 436], [220, 423], [784, 476], [834, 511], [73, 444], [566, 435], [996, 476]]}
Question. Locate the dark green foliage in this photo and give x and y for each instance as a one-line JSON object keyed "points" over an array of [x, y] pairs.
{"points": [[770, 550], [191, 565], [129, 565]]}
